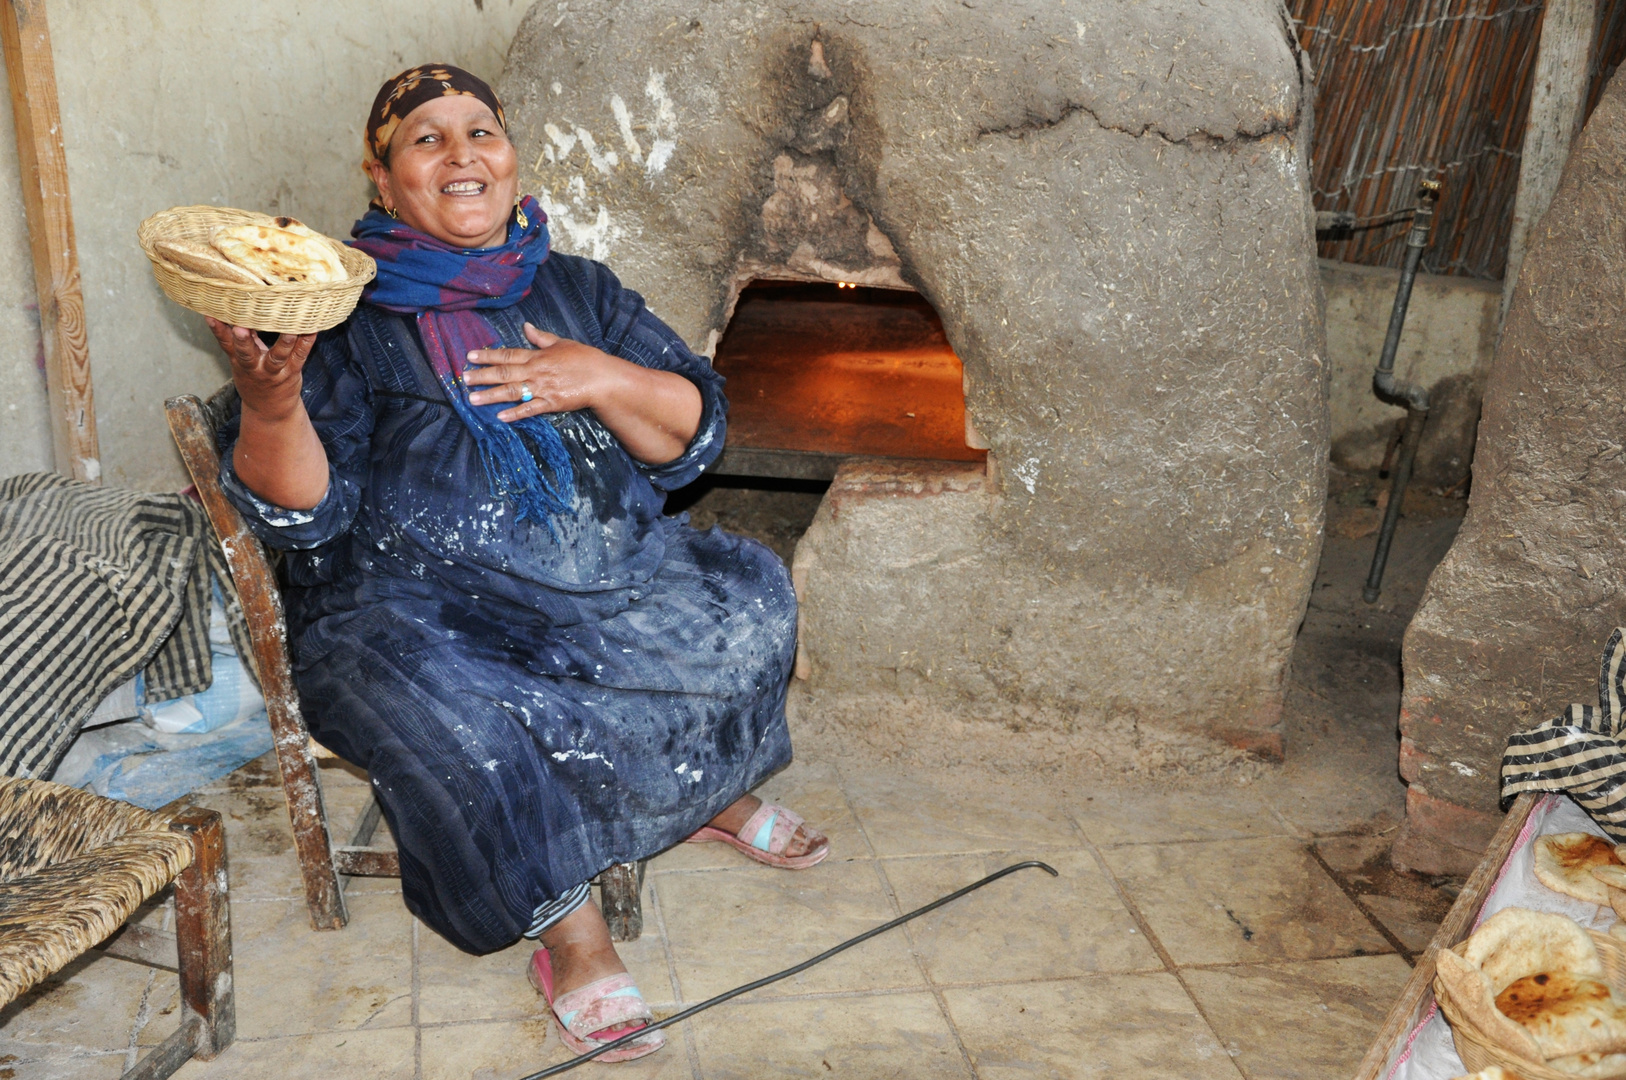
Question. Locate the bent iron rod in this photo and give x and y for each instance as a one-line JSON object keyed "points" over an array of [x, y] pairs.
{"points": [[566, 1066], [1411, 395]]}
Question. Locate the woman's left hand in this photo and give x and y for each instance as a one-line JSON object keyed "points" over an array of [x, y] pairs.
{"points": [[654, 413], [561, 376]]}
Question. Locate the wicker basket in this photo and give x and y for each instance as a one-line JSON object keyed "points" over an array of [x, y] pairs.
{"points": [[1479, 1052], [282, 309]]}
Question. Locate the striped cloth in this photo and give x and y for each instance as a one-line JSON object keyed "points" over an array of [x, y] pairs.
{"points": [[1581, 752], [97, 584], [552, 911]]}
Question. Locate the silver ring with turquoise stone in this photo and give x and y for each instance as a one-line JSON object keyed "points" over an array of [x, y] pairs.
{"points": [[525, 392]]}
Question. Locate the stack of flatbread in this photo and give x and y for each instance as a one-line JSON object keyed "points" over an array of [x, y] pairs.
{"points": [[1584, 866], [277, 251], [1569, 863], [1533, 984]]}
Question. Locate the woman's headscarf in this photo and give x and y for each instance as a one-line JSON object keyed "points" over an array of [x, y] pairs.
{"points": [[414, 86], [445, 286]]}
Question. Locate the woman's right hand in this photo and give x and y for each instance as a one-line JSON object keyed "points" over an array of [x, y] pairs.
{"points": [[267, 379], [278, 454]]}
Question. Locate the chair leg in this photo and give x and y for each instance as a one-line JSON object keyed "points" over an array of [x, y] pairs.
{"points": [[307, 811], [203, 933], [619, 888]]}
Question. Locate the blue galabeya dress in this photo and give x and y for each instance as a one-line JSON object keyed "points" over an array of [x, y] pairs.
{"points": [[532, 703]]}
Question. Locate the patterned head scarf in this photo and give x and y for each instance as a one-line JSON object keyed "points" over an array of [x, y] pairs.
{"points": [[399, 96]]}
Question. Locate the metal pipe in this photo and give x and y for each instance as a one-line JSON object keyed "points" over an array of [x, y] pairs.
{"points": [[1411, 395], [727, 995]]}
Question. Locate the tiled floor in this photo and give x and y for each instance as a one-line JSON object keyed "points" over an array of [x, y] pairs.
{"points": [[1190, 927]]}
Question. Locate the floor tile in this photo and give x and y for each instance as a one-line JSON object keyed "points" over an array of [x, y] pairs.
{"points": [[454, 986], [1410, 906], [260, 841], [1139, 815], [1105, 1028], [902, 1036], [1412, 924], [811, 790], [88, 1006], [54, 1063], [1240, 901], [1321, 798], [291, 979], [261, 772], [727, 929], [336, 1055], [1026, 926], [1333, 1008], [256, 822], [905, 817], [505, 1050]]}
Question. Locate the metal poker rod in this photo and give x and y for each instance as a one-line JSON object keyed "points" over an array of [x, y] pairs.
{"points": [[566, 1066]]}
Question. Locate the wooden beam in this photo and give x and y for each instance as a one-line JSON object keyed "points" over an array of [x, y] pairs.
{"points": [[31, 73], [366, 862], [1557, 97]]}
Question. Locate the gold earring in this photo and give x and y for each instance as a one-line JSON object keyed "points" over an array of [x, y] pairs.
{"points": [[390, 210], [519, 215]]}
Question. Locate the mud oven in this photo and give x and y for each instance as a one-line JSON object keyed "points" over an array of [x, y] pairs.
{"points": [[1108, 206]]}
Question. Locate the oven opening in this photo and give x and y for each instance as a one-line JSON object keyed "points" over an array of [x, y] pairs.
{"points": [[819, 373]]}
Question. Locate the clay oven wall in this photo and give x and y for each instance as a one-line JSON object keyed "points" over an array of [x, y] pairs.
{"points": [[1513, 622], [1109, 206]]}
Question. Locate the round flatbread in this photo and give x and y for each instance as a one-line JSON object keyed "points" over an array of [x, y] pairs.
{"points": [[1565, 861], [282, 254], [1587, 1066], [1529, 951], [1563, 1012], [205, 260]]}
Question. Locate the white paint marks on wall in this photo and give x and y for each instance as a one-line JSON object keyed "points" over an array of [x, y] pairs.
{"points": [[604, 162], [593, 238], [623, 120], [1028, 473], [562, 142], [664, 126]]}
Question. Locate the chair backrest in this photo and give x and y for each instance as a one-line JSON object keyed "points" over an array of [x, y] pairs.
{"points": [[256, 581]]}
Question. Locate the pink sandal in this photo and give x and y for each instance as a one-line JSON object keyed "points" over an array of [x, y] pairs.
{"points": [[589, 1012], [764, 837]]}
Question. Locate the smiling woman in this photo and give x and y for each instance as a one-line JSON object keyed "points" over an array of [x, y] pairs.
{"points": [[543, 675], [447, 163]]}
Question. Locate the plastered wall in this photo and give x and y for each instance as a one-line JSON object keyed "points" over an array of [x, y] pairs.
{"points": [[1446, 345], [169, 102]]}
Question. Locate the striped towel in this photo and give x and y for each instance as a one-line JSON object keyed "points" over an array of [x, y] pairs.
{"points": [[97, 584], [1580, 752]]}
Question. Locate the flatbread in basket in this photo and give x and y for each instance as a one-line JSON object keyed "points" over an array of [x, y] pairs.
{"points": [[1537, 994], [304, 282]]}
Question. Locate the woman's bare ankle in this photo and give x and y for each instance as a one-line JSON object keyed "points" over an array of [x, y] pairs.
{"points": [[580, 950], [736, 814]]}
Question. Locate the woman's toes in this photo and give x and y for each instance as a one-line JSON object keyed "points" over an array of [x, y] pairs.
{"points": [[805, 841]]}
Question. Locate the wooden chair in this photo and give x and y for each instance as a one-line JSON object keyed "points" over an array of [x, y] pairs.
{"points": [[74, 866], [323, 864]]}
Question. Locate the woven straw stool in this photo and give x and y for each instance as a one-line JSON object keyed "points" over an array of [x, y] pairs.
{"points": [[74, 866]]}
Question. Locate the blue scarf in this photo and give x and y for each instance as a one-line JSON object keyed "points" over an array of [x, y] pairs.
{"points": [[445, 286]]}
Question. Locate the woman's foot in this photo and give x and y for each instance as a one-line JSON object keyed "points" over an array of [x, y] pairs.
{"points": [[804, 846], [581, 952], [733, 819]]}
